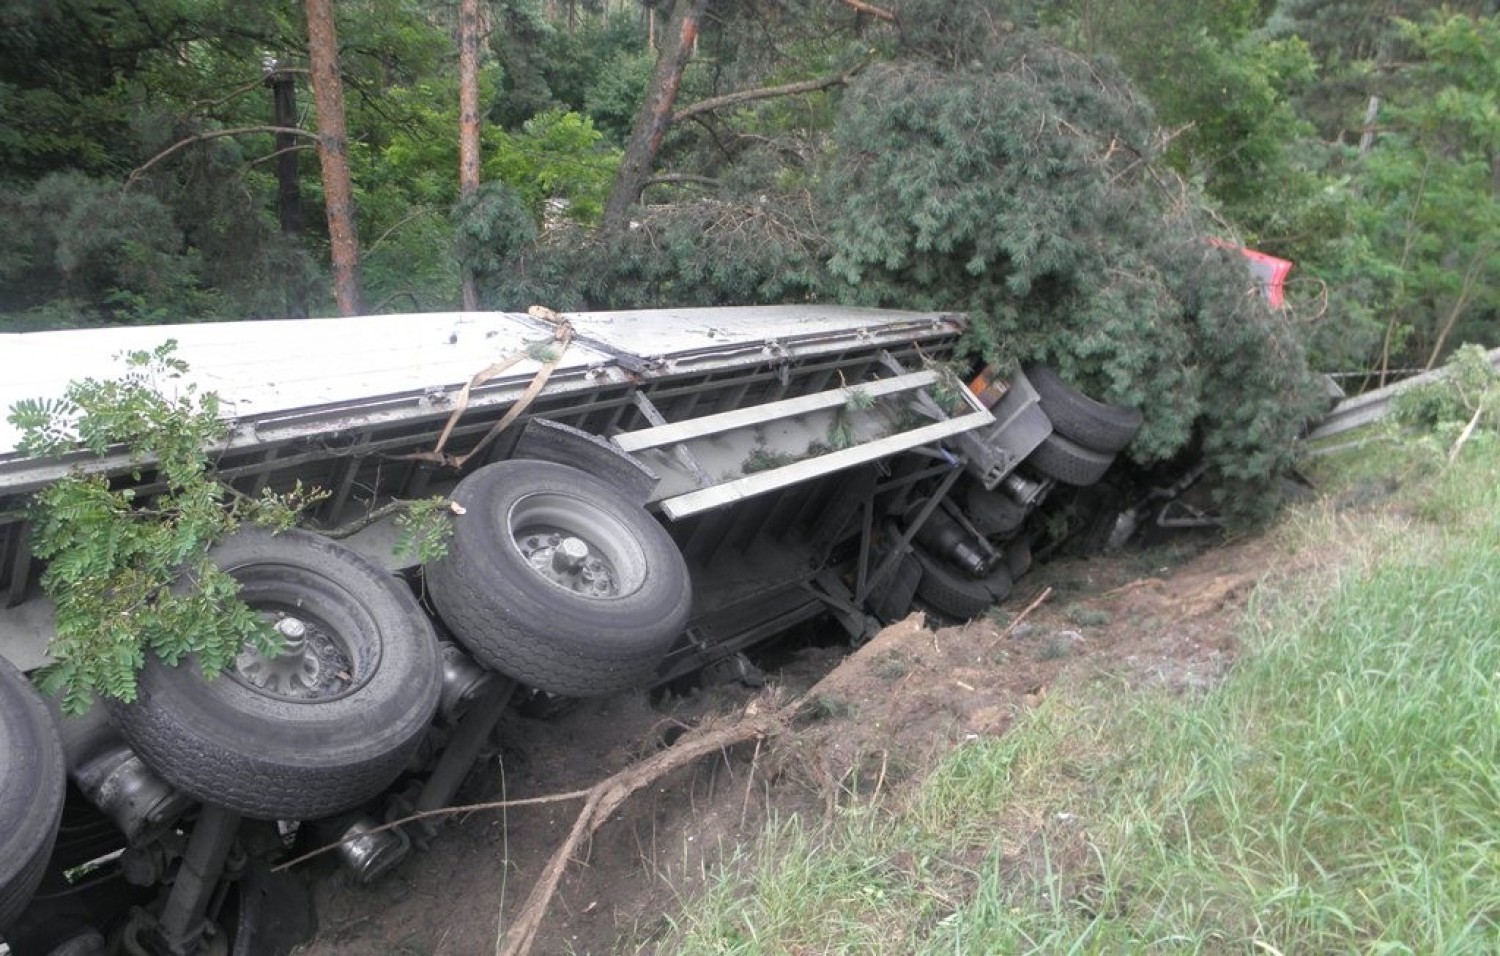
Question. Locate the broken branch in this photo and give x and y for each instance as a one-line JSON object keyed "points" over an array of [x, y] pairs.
{"points": [[1025, 613], [212, 134], [606, 797], [669, 178], [1464, 435], [878, 13], [423, 815], [763, 93]]}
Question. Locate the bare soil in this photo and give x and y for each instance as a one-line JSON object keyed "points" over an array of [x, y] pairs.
{"points": [[1160, 618]]}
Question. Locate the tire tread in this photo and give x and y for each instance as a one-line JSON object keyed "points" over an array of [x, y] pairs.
{"points": [[952, 593], [27, 836], [1089, 423], [1068, 462]]}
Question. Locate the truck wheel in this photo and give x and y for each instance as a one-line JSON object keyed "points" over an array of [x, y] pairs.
{"points": [[953, 593], [32, 778], [993, 512], [1093, 424], [559, 580], [892, 600], [320, 728], [1018, 556], [1068, 462]]}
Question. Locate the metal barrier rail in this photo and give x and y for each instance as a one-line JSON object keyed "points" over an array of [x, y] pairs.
{"points": [[1372, 406]]}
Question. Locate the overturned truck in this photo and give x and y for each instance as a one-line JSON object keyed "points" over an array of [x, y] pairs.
{"points": [[634, 496]]}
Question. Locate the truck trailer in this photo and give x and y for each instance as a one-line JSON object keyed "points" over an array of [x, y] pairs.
{"points": [[633, 496]]}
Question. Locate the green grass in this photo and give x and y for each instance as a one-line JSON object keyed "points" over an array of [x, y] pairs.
{"points": [[1340, 792]]}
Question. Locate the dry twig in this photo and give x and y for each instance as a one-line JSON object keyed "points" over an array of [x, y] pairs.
{"points": [[879, 13], [1036, 602], [1464, 435]]}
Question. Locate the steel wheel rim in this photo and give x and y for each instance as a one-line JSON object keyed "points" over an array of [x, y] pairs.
{"points": [[320, 660], [576, 546]]}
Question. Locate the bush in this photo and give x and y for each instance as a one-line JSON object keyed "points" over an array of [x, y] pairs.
{"points": [[1469, 390], [1023, 189], [88, 241]]}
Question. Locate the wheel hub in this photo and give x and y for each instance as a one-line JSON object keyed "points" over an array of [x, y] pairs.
{"points": [[568, 561], [310, 665]]}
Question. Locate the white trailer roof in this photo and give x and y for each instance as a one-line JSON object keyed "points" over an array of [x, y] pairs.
{"points": [[263, 368], [272, 369]]}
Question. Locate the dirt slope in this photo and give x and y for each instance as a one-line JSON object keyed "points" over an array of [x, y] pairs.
{"points": [[1160, 618]]}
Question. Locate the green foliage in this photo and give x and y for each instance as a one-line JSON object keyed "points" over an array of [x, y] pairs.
{"points": [[947, 391], [556, 155], [596, 65], [721, 252], [100, 88], [841, 433], [1396, 232], [615, 94], [521, 42], [857, 399], [1049, 225], [1232, 122], [1468, 392], [89, 242], [554, 168], [127, 565], [423, 529], [493, 226], [1427, 206]]}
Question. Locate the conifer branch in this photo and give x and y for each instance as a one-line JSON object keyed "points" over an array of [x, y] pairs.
{"points": [[212, 134]]}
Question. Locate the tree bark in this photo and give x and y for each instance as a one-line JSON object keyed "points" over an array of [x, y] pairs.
{"points": [[679, 39], [1367, 132], [468, 122], [288, 183], [333, 154]]}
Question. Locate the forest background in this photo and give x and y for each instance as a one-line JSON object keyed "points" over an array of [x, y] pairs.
{"points": [[1065, 172]]}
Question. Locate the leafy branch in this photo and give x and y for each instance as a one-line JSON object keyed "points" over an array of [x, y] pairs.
{"points": [[422, 526], [1465, 398], [132, 574]]}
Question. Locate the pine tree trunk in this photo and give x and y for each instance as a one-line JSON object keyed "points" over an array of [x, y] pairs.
{"points": [[333, 154], [288, 184], [679, 39], [468, 121]]}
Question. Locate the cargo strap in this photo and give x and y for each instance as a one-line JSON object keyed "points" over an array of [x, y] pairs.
{"points": [[562, 337]]}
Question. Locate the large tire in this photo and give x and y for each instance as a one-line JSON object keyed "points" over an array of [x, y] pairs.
{"points": [[32, 780], [1092, 424], [892, 600], [1068, 462], [955, 594], [296, 737], [993, 512], [1018, 557], [597, 628]]}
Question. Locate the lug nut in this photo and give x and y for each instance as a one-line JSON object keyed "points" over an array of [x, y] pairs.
{"points": [[569, 554]]}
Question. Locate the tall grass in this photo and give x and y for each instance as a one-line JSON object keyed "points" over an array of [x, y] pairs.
{"points": [[1340, 792]]}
